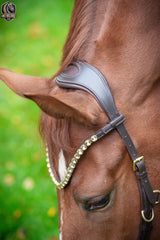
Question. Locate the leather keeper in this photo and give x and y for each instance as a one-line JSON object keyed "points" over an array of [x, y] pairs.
{"points": [[110, 126], [142, 175]]}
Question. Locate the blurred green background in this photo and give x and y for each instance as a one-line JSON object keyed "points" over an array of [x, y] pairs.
{"points": [[30, 44]]}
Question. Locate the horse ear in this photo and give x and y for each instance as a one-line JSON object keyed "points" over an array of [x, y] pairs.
{"points": [[73, 105], [20, 83]]}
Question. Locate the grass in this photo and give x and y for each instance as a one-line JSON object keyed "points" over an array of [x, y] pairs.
{"points": [[30, 44]]}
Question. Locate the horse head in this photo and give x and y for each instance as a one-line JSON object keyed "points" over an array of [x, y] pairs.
{"points": [[121, 39]]}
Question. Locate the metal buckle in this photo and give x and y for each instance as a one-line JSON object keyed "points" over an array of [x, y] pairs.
{"points": [[137, 160], [146, 219], [157, 191]]}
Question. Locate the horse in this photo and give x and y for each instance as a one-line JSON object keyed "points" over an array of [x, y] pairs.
{"points": [[101, 200]]}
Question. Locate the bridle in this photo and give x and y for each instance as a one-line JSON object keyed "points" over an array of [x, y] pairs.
{"points": [[90, 79]]}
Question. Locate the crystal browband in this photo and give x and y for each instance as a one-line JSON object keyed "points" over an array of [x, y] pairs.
{"points": [[83, 147]]}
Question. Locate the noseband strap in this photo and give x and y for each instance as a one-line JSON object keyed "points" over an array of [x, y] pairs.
{"points": [[89, 79]]}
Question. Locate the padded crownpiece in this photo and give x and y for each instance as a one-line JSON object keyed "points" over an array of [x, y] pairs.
{"points": [[83, 76]]}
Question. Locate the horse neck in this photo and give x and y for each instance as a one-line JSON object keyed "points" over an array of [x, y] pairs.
{"points": [[124, 44]]}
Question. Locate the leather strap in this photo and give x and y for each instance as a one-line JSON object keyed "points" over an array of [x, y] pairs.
{"points": [[89, 79]]}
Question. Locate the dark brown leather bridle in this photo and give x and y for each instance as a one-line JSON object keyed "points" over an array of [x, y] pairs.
{"points": [[90, 79]]}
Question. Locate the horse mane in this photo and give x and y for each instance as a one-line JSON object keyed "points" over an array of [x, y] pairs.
{"points": [[57, 130], [80, 32]]}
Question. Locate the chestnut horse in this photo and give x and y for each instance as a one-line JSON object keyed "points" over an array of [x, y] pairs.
{"points": [[122, 40]]}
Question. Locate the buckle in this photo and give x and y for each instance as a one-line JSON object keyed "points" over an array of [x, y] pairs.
{"points": [[137, 160], [158, 193], [146, 219]]}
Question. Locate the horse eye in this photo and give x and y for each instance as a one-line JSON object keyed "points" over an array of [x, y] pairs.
{"points": [[96, 203]]}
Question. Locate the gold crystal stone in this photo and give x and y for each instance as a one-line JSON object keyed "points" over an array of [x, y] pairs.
{"points": [[84, 147], [48, 165], [66, 178], [88, 142], [72, 165], [74, 160], [77, 156], [94, 138], [80, 151], [53, 179], [70, 170]]}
